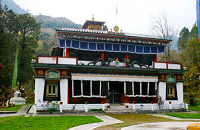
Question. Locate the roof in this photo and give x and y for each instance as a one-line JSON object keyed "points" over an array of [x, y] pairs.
{"points": [[110, 37], [107, 70], [91, 22]]}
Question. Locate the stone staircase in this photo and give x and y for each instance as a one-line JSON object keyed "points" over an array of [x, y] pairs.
{"points": [[118, 109]]}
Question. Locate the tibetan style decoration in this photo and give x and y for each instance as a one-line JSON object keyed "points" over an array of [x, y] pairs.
{"points": [[171, 79], [102, 62], [117, 62], [52, 74], [135, 63]]}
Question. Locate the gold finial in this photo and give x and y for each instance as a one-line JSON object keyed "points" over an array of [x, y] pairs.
{"points": [[116, 29], [93, 17]]}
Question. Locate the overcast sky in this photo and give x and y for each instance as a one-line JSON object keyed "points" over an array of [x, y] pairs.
{"points": [[134, 16]]}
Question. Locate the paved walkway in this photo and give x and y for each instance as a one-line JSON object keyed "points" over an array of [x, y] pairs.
{"points": [[173, 118], [22, 111], [107, 120], [160, 126]]}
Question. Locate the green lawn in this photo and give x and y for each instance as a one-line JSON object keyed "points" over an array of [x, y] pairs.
{"points": [[14, 108], [195, 107], [45, 123], [185, 115]]}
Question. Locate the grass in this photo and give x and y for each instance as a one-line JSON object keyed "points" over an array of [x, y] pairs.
{"points": [[43, 123], [14, 108], [185, 115], [132, 119], [195, 107]]}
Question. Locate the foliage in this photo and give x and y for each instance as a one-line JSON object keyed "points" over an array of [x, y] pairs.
{"points": [[185, 115], [183, 38], [10, 24], [8, 40], [14, 108], [191, 60], [95, 109], [195, 107], [52, 109], [30, 31], [43, 123]]}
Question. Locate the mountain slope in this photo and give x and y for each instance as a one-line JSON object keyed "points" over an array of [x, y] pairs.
{"points": [[12, 5], [55, 23]]}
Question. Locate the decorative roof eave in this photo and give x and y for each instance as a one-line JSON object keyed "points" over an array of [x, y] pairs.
{"points": [[100, 69], [86, 23], [110, 37]]}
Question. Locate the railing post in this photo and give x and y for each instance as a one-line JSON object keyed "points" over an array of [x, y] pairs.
{"points": [[152, 107], [170, 105], [61, 107], [186, 105], [103, 106], [86, 107], [35, 109], [133, 106]]}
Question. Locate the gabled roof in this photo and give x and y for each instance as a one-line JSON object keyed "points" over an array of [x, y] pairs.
{"points": [[91, 22]]}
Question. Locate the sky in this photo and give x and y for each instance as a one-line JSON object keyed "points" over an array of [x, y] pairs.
{"points": [[134, 16]]}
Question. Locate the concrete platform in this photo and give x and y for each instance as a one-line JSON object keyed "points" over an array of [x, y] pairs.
{"points": [[160, 126]]}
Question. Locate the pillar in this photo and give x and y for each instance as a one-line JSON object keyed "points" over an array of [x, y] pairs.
{"points": [[67, 52], [155, 57], [127, 57], [102, 55]]}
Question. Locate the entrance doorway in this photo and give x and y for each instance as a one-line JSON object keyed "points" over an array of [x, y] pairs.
{"points": [[116, 90]]}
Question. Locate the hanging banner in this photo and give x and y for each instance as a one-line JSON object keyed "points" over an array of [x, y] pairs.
{"points": [[198, 17]]}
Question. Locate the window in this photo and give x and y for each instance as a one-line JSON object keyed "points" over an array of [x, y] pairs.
{"points": [[136, 88], [77, 87], [144, 88], [96, 88], [104, 88], [86, 88], [52, 89], [152, 89], [171, 92], [129, 90]]}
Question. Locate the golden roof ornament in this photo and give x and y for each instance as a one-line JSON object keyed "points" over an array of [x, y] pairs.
{"points": [[116, 29]]}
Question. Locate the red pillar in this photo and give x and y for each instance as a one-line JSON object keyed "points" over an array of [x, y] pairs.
{"points": [[67, 52], [155, 58], [127, 57], [102, 55]]}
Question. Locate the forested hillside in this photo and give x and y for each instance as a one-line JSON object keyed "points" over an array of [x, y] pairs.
{"points": [[48, 26], [58, 22]]}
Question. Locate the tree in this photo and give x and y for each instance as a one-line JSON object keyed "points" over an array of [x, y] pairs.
{"points": [[8, 37], [162, 28], [30, 31], [191, 59], [183, 38]]}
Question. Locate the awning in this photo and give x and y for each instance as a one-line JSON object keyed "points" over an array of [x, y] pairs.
{"points": [[106, 77]]}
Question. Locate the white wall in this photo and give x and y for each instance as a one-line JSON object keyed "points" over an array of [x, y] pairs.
{"points": [[39, 90], [162, 90], [67, 61], [64, 91], [160, 65], [162, 93], [47, 60], [179, 87], [174, 66]]}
